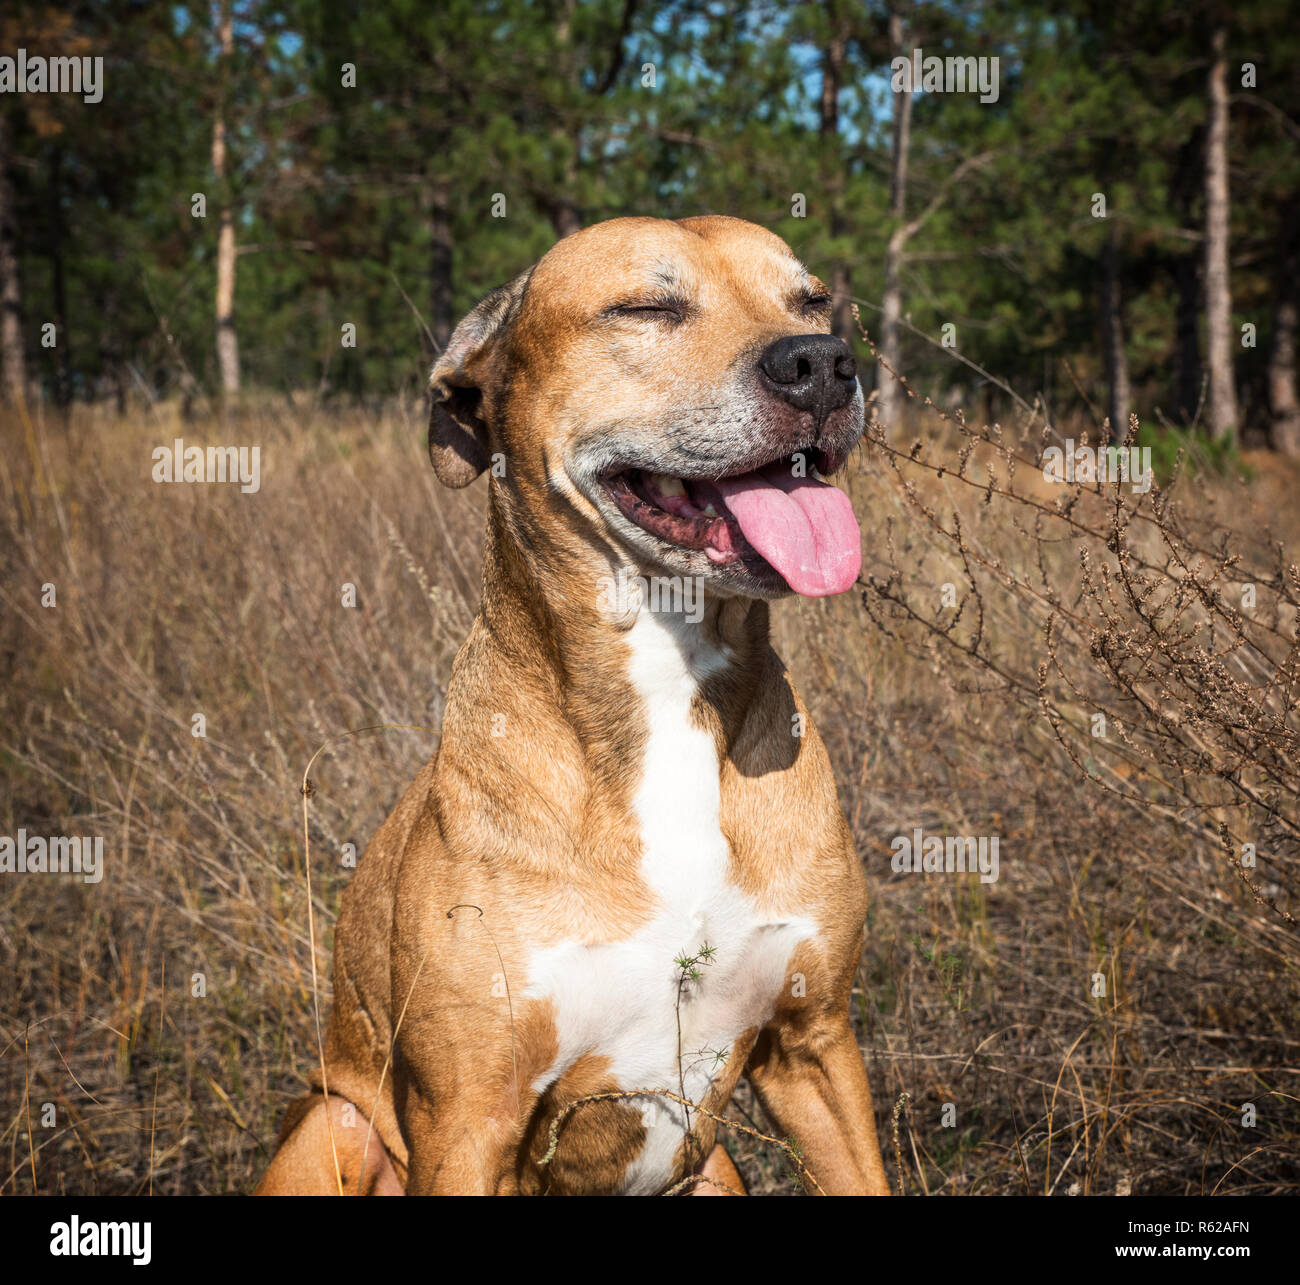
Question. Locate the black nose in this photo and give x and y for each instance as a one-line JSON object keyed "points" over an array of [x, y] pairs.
{"points": [[816, 373]]}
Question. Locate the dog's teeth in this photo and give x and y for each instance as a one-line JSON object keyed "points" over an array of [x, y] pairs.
{"points": [[666, 485]]}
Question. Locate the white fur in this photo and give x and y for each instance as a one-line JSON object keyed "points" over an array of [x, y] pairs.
{"points": [[619, 999]]}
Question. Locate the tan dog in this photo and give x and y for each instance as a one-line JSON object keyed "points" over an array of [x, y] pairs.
{"points": [[625, 872]]}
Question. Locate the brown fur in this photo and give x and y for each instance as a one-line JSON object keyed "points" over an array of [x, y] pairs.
{"points": [[535, 827]]}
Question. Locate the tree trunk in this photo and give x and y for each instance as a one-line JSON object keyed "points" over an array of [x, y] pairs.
{"points": [[13, 376], [59, 287], [1118, 398], [833, 172], [890, 401], [442, 302], [1218, 294], [227, 339], [1283, 403], [566, 218], [566, 215]]}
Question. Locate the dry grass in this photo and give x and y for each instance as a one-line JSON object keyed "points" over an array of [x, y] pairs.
{"points": [[177, 600]]}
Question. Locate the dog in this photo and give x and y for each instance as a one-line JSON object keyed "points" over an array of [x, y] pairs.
{"points": [[624, 879]]}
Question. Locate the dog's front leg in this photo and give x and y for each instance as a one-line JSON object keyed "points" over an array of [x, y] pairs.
{"points": [[812, 1082], [459, 1146]]}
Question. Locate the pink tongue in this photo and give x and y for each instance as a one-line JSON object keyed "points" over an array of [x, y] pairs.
{"points": [[803, 527]]}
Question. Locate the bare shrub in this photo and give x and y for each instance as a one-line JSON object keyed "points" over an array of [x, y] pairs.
{"points": [[1121, 854]]}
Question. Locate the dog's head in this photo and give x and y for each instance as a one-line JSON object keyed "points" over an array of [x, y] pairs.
{"points": [[672, 388]]}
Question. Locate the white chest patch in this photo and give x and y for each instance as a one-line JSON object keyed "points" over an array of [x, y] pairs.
{"points": [[624, 1000]]}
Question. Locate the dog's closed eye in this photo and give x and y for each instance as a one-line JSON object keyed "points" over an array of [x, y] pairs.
{"points": [[670, 310]]}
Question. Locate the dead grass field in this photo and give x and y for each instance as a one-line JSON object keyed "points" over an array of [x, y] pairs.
{"points": [[181, 600]]}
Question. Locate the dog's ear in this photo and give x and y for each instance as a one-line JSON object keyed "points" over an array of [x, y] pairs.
{"points": [[458, 440]]}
